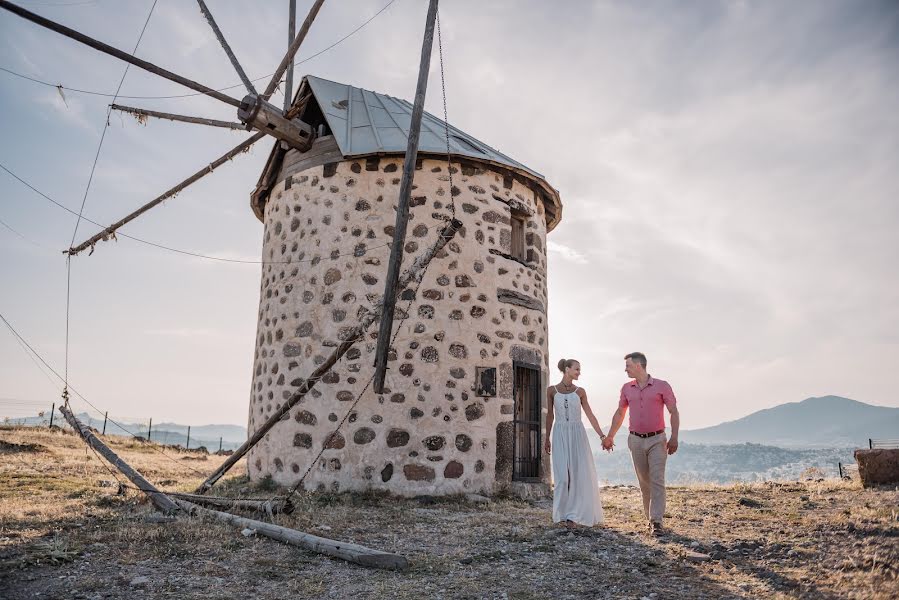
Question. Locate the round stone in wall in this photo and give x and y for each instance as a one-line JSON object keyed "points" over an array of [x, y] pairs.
{"points": [[364, 435], [397, 438], [463, 442], [387, 472], [434, 442], [302, 440], [306, 418], [334, 441], [332, 276], [429, 354], [474, 411], [453, 470]]}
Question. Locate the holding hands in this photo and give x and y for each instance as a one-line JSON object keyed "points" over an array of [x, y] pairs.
{"points": [[608, 443]]}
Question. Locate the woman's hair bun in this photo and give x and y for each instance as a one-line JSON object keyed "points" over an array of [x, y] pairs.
{"points": [[566, 363]]}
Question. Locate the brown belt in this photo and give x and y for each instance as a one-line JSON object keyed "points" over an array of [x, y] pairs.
{"points": [[647, 435]]}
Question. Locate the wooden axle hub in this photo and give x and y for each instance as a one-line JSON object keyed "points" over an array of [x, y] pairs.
{"points": [[263, 116]]}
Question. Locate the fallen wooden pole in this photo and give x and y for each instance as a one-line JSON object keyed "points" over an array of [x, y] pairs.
{"points": [[402, 205], [106, 233], [121, 55], [271, 506], [143, 112], [292, 50], [349, 552], [346, 551], [413, 273], [159, 499]]}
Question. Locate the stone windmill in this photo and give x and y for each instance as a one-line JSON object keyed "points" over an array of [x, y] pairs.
{"points": [[458, 383]]}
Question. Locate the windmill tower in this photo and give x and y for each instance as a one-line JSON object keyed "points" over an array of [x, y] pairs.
{"points": [[462, 409]]}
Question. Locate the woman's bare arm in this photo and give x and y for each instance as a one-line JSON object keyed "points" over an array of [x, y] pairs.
{"points": [[582, 394]]}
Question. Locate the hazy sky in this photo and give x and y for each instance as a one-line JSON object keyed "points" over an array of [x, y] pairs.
{"points": [[729, 172]]}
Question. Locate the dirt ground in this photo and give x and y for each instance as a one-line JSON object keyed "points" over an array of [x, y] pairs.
{"points": [[65, 532]]}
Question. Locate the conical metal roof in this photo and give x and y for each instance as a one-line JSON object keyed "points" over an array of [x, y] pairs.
{"points": [[365, 123]]}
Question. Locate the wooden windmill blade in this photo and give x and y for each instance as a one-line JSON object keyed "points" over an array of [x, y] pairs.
{"points": [[221, 38], [254, 111], [143, 112], [292, 50], [120, 54], [110, 231]]}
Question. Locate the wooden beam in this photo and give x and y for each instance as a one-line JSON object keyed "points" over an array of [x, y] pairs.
{"points": [[221, 38], [402, 208], [292, 50], [271, 506], [109, 231], [264, 116], [346, 551], [413, 273], [107, 49], [291, 33], [143, 112], [349, 552], [162, 502]]}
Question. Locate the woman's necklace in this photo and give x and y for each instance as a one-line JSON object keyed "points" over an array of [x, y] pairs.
{"points": [[566, 389]]}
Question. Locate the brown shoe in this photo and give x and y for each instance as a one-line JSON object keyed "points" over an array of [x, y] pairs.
{"points": [[656, 528]]}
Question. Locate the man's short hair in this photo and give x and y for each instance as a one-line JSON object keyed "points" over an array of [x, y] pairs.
{"points": [[637, 357]]}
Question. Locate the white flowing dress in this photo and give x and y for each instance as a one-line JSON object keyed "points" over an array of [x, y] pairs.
{"points": [[576, 494]]}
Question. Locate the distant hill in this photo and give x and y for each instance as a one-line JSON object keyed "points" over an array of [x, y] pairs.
{"points": [[828, 421]]}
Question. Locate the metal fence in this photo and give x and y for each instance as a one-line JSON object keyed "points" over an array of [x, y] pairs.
{"points": [[29, 413], [888, 444]]}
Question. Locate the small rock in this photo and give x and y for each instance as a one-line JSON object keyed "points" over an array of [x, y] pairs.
{"points": [[324, 528], [697, 557], [477, 498], [792, 553], [694, 544], [248, 532], [142, 580], [744, 501]]}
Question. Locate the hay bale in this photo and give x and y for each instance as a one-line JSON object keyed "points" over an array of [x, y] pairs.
{"points": [[878, 466]]}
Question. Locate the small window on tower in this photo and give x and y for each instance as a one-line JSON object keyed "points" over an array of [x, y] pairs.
{"points": [[518, 221]]}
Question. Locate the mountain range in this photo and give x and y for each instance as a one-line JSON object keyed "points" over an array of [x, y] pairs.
{"points": [[825, 422], [828, 421]]}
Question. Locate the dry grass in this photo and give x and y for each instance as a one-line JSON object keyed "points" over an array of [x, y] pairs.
{"points": [[65, 532]]}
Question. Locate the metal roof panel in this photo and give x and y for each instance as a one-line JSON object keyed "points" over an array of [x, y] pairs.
{"points": [[365, 122]]}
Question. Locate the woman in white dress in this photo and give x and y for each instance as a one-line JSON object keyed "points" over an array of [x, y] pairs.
{"points": [[576, 495]]}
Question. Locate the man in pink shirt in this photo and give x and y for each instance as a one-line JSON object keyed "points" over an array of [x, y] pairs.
{"points": [[646, 397]]}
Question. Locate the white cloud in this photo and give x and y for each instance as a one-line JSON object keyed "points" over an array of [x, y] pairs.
{"points": [[567, 253]]}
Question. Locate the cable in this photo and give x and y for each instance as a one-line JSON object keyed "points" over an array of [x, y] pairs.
{"points": [[29, 240], [88, 402], [230, 87], [449, 161], [87, 190], [176, 250]]}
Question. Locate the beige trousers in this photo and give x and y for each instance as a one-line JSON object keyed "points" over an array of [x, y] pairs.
{"points": [[649, 457]]}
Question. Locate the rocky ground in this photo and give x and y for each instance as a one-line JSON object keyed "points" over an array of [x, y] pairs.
{"points": [[65, 532]]}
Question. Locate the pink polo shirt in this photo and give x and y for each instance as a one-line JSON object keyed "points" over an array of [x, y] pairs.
{"points": [[646, 405]]}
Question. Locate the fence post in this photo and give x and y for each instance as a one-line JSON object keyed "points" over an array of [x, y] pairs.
{"points": [[870, 444], [840, 465], [220, 445], [52, 410], [187, 444], [104, 421], [149, 429]]}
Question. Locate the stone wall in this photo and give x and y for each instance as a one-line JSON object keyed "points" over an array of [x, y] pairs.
{"points": [[327, 231]]}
